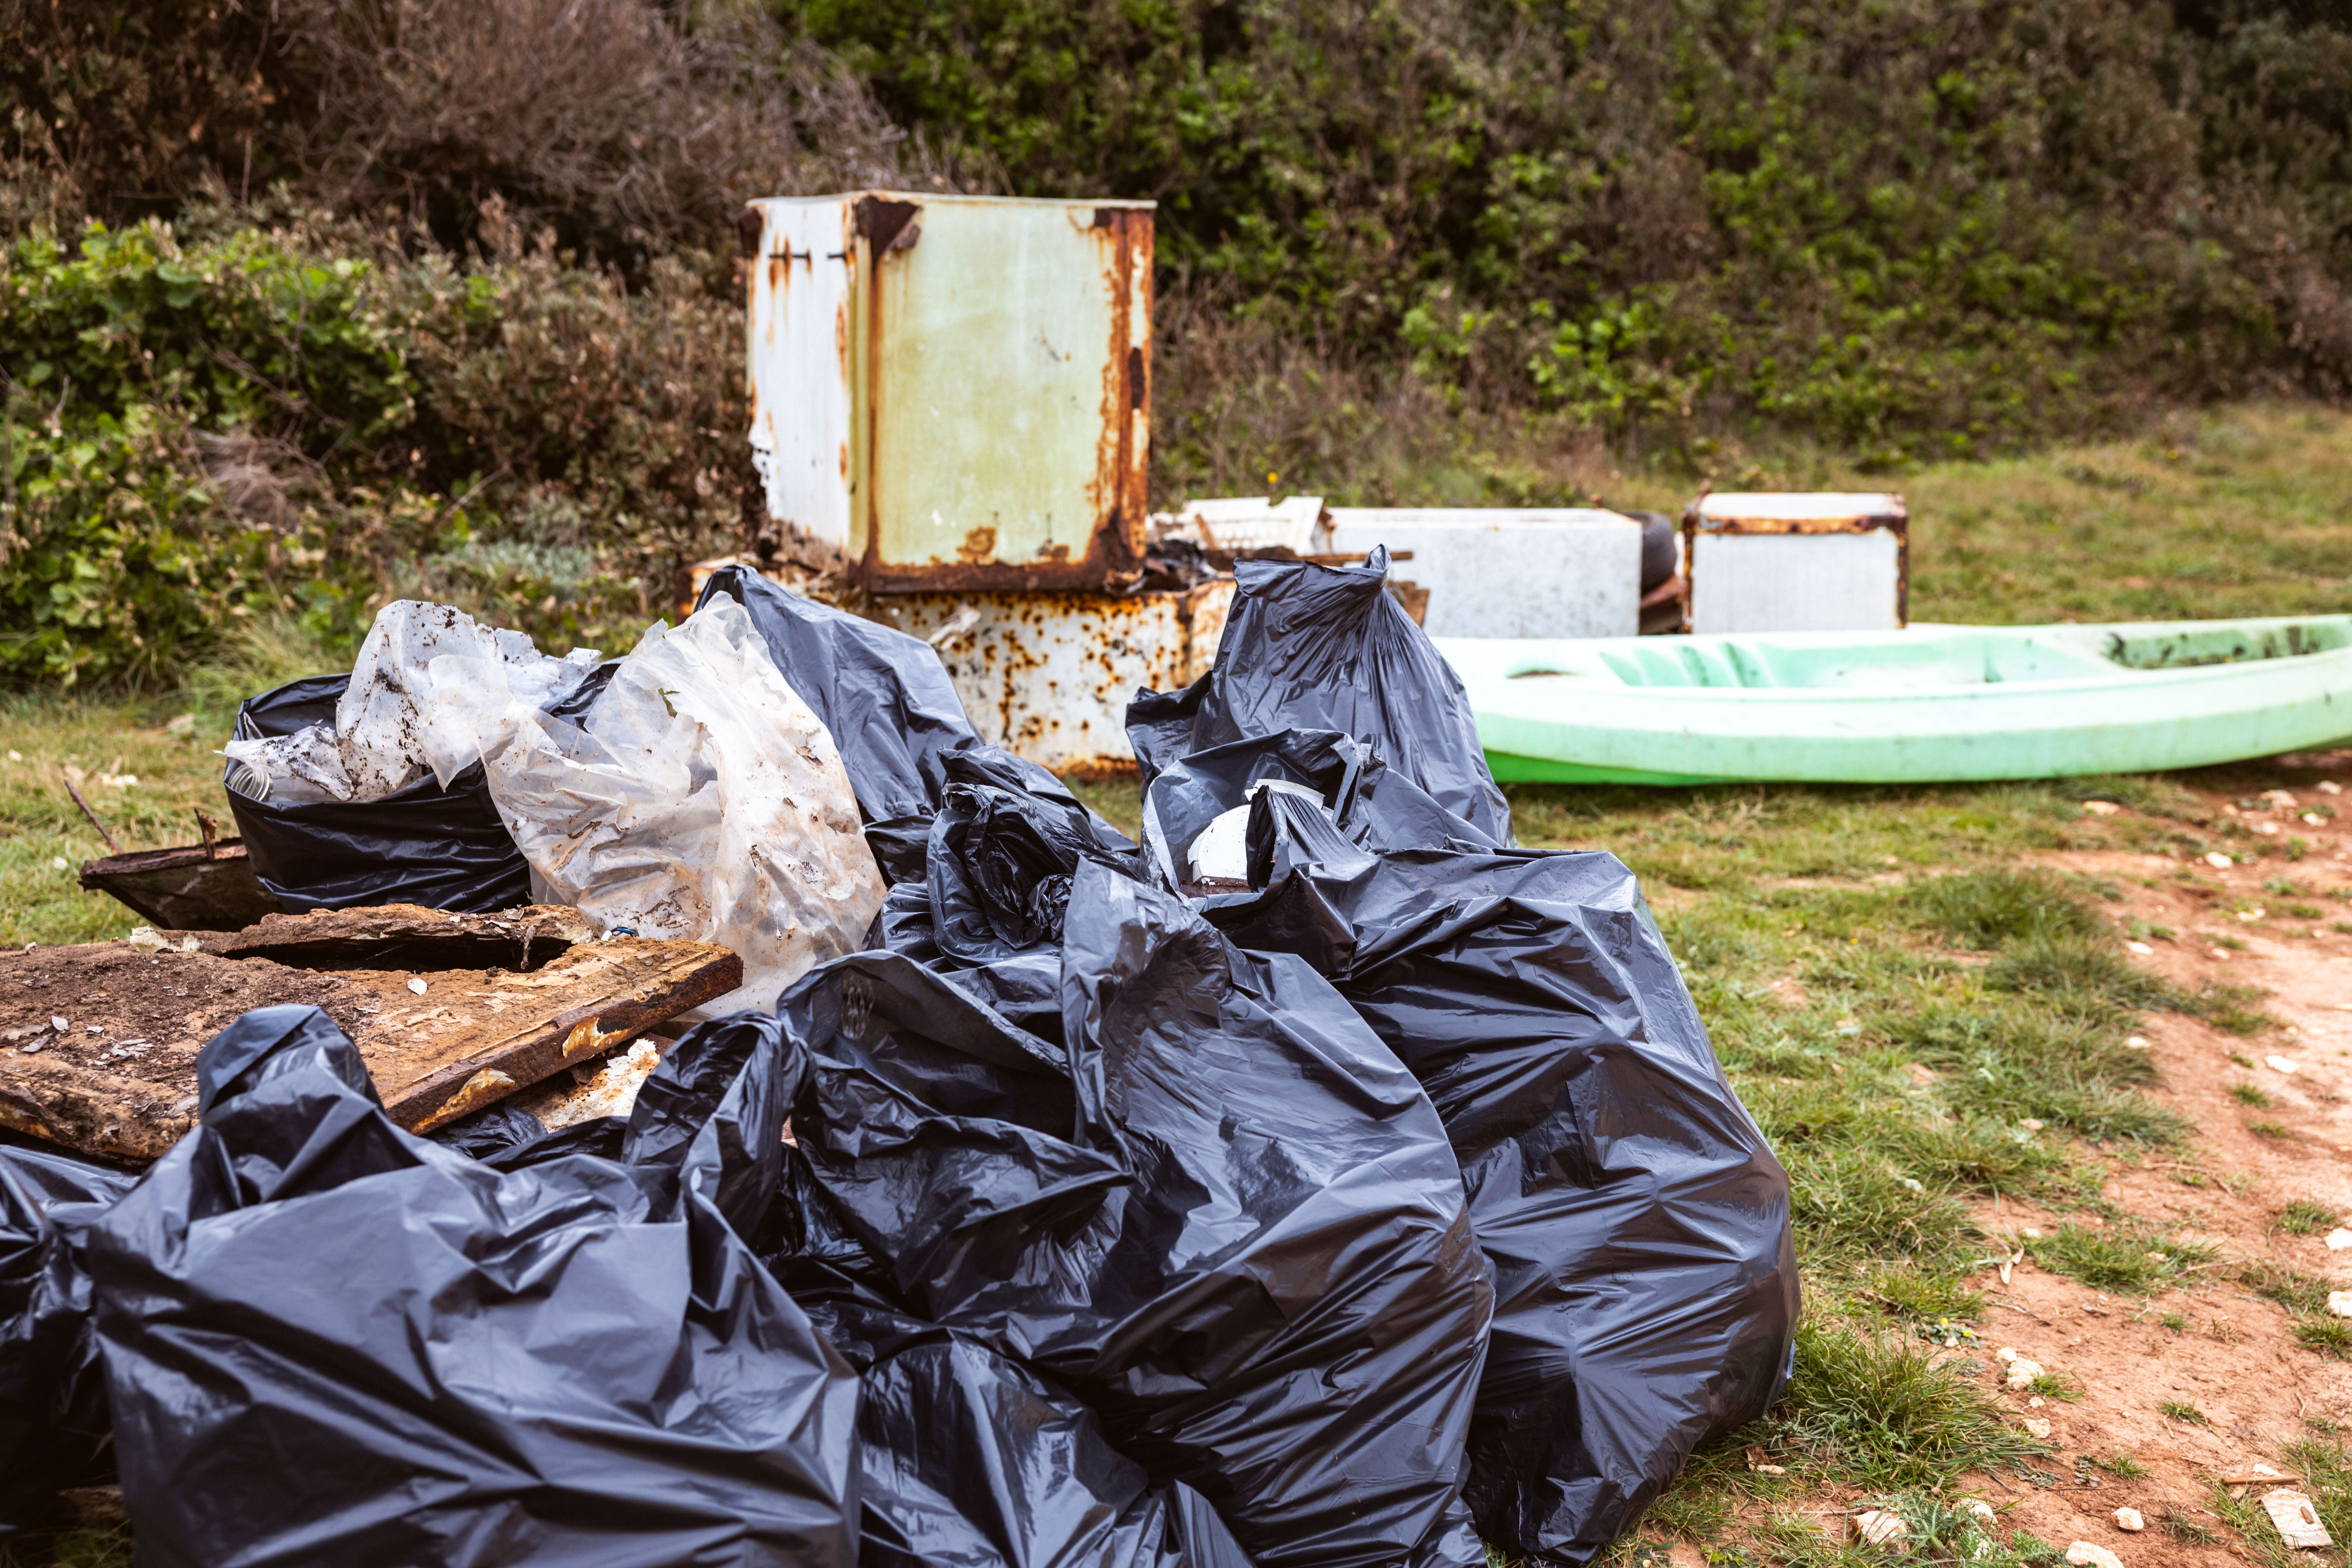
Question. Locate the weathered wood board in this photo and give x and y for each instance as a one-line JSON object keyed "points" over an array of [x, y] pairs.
{"points": [[119, 1078]]}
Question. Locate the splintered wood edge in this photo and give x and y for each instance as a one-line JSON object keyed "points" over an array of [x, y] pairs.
{"points": [[462, 1087]]}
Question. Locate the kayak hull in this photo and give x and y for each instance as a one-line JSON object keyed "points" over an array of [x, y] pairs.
{"points": [[1921, 705]]}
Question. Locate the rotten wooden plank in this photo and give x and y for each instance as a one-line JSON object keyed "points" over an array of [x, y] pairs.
{"points": [[398, 936], [198, 886], [119, 1079]]}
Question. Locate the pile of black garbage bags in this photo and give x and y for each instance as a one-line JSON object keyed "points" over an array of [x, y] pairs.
{"points": [[1389, 1204]]}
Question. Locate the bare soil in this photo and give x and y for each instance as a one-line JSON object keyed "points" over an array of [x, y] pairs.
{"points": [[2234, 1357]]}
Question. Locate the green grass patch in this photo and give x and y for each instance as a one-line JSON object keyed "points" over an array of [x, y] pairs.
{"points": [[2304, 1217], [2124, 1259], [1872, 1412]]}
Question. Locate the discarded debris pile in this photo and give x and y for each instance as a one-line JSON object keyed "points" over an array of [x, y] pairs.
{"points": [[1321, 1184]]}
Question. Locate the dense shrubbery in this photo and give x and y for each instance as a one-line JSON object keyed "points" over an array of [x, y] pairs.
{"points": [[1910, 227], [300, 422], [307, 357]]}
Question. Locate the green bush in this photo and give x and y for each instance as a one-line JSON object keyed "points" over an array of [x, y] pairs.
{"points": [[305, 422]]}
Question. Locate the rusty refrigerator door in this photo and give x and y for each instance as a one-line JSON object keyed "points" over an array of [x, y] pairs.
{"points": [[954, 391]]}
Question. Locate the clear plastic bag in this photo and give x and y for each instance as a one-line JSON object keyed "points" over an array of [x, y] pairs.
{"points": [[388, 732], [697, 798]]}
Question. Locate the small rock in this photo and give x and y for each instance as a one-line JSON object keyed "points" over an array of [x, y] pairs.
{"points": [[2219, 861], [2100, 807], [2029, 1123], [2038, 1428], [57, 862], [2140, 948], [60, 1025], [2278, 1064], [418, 986], [2341, 1303], [2083, 1555], [2326, 787], [2137, 1043], [1978, 1509], [2004, 1353], [1876, 1527], [2034, 1403], [2297, 1521], [2030, 1234], [2339, 1240], [2129, 1518]]}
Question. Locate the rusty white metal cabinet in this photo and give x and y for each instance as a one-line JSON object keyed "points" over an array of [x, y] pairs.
{"points": [[955, 392], [1789, 561]]}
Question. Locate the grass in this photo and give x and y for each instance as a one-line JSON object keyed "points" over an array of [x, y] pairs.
{"points": [[2180, 1410], [2246, 1093], [2304, 1217]]}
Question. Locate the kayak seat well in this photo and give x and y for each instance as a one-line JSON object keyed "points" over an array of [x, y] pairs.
{"points": [[1925, 658], [1896, 663], [2179, 648]]}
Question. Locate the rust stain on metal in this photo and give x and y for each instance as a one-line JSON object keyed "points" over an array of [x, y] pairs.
{"points": [[1894, 518], [978, 546]]}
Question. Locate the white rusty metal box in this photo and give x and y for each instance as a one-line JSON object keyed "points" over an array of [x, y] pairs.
{"points": [[1797, 562], [1499, 571], [955, 392]]}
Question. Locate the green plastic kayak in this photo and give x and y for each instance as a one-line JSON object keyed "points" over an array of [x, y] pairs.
{"points": [[1926, 703]]}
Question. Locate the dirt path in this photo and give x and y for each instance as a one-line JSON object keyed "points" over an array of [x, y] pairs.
{"points": [[2217, 1348]]}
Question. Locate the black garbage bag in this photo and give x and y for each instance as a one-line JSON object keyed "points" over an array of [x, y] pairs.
{"points": [[972, 1460], [1374, 806], [901, 729], [1223, 1215], [443, 848], [1645, 1284], [328, 1341], [1326, 648], [999, 869], [53, 1420]]}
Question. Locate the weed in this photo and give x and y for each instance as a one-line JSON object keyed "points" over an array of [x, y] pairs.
{"points": [[2246, 1093], [2269, 1130], [2179, 1410], [2304, 1217], [2116, 1257], [1877, 1415], [2300, 1293], [2242, 1060], [2180, 1527], [2224, 939], [2177, 1322], [2049, 1385], [2330, 1336], [2341, 928], [2123, 1467], [2302, 911]]}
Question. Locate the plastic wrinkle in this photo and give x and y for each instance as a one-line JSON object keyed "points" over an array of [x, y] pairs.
{"points": [[1328, 647], [326, 1340], [697, 798], [53, 1413], [1223, 1182], [1645, 1276], [890, 708]]}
